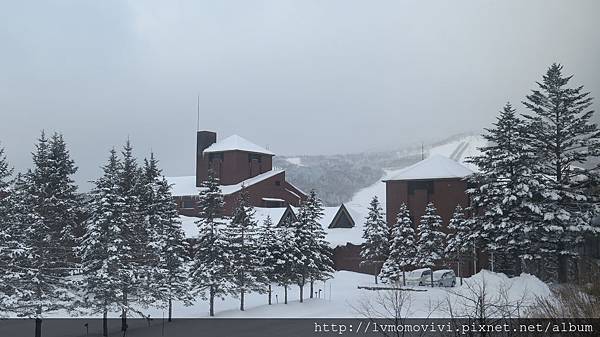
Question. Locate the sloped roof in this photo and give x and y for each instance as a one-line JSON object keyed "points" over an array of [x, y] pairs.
{"points": [[235, 142], [186, 186], [434, 167]]}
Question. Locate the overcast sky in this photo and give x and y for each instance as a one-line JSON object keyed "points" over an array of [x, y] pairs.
{"points": [[303, 77]]}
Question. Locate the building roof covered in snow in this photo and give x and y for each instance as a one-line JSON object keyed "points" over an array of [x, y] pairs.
{"points": [[236, 143], [186, 185], [434, 167]]}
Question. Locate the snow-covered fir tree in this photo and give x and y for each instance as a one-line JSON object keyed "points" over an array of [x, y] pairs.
{"points": [[269, 246], [106, 254], [375, 249], [8, 241], [315, 254], [286, 254], [403, 248], [44, 213], [247, 270], [430, 242], [167, 244], [563, 137], [211, 262], [460, 239], [505, 191], [136, 235]]}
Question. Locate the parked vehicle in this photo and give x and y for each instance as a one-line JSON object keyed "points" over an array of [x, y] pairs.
{"points": [[418, 277], [444, 278]]}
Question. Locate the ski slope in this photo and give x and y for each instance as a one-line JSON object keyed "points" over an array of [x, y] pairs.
{"points": [[458, 150]]}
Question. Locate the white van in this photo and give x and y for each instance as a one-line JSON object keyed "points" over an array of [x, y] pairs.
{"points": [[444, 278], [419, 277]]}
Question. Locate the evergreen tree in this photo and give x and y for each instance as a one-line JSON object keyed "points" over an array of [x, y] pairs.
{"points": [[9, 244], [211, 264], [315, 255], [375, 249], [563, 137], [167, 245], [105, 251], [506, 190], [43, 215], [430, 243], [460, 238], [286, 254], [242, 233], [5, 174], [269, 248], [403, 248]]}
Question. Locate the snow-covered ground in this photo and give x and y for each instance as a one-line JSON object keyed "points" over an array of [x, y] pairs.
{"points": [[340, 297]]}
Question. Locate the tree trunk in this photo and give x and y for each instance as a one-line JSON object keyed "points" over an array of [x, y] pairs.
{"points": [[270, 295], [170, 309], [285, 294], [375, 278], [211, 310], [431, 277], [242, 300], [312, 290], [124, 313], [563, 269], [38, 322], [403, 278], [105, 322], [301, 293]]}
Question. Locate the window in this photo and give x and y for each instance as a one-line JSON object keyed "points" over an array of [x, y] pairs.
{"points": [[277, 183], [254, 156], [188, 204], [420, 185], [215, 155]]}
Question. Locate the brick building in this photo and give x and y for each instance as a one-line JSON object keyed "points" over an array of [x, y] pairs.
{"points": [[237, 163]]}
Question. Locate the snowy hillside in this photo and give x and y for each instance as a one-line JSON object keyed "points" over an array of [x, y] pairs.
{"points": [[338, 178]]}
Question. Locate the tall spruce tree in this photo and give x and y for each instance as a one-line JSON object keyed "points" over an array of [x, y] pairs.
{"points": [[460, 238], [403, 248], [247, 270], [9, 243], [286, 254], [268, 250], [106, 254], [430, 242], [315, 254], [211, 263], [167, 245], [375, 249], [563, 137], [505, 193], [43, 214]]}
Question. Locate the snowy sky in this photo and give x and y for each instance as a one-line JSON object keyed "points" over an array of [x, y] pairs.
{"points": [[301, 77]]}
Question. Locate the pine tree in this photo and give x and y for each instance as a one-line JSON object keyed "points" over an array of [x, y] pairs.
{"points": [[242, 233], [315, 255], [105, 252], [167, 245], [211, 264], [460, 238], [430, 243], [268, 251], [506, 191], [286, 254], [9, 244], [403, 248], [375, 249], [43, 213], [563, 137]]}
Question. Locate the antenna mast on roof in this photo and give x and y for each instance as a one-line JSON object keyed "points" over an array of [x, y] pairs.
{"points": [[198, 113]]}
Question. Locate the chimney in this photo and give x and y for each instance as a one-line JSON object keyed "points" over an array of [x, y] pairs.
{"points": [[204, 139]]}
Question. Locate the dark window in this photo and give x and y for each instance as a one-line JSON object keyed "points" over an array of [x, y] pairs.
{"points": [[420, 185], [215, 155], [278, 183], [254, 156], [188, 204]]}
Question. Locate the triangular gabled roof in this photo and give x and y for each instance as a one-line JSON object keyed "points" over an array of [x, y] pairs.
{"points": [[434, 167], [236, 143], [342, 213]]}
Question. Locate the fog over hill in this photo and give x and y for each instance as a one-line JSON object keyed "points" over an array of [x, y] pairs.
{"points": [[338, 177]]}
